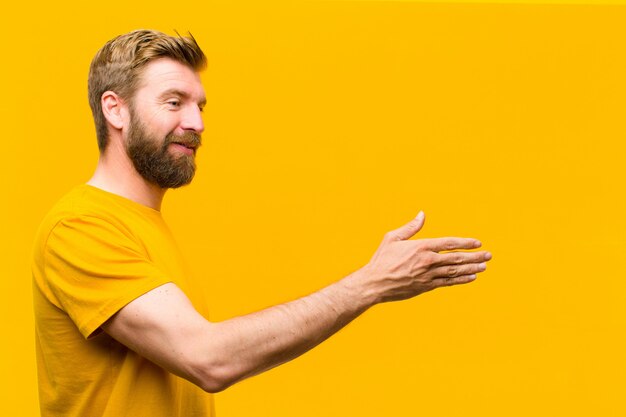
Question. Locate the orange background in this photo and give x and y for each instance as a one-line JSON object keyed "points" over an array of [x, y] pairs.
{"points": [[329, 123]]}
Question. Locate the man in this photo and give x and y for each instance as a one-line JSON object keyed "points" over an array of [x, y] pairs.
{"points": [[120, 331]]}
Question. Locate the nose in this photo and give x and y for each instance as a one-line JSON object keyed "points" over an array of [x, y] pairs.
{"points": [[192, 120]]}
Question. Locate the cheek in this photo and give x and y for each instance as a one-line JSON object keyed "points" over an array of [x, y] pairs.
{"points": [[165, 127], [161, 119]]}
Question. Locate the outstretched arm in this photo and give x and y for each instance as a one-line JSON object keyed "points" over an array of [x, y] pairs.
{"points": [[163, 326]]}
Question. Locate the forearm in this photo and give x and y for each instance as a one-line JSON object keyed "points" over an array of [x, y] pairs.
{"points": [[247, 345]]}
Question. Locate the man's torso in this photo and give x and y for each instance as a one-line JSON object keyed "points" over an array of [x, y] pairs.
{"points": [[94, 253]]}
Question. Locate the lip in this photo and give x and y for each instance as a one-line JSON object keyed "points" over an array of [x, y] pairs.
{"points": [[188, 150]]}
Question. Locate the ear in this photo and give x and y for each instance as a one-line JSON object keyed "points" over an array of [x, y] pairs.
{"points": [[113, 108]]}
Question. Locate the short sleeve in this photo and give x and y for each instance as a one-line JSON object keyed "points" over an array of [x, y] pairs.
{"points": [[93, 269]]}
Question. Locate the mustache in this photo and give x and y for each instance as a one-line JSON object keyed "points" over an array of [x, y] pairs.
{"points": [[188, 139]]}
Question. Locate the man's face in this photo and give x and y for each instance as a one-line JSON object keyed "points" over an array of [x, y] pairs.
{"points": [[165, 124]]}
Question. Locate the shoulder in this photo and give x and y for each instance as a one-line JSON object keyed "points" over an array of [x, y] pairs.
{"points": [[87, 222], [88, 209]]}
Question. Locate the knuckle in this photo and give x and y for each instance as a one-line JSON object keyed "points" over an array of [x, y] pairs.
{"points": [[452, 271], [427, 259], [447, 282], [453, 281]]}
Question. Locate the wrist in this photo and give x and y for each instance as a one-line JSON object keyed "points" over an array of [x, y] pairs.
{"points": [[358, 285]]}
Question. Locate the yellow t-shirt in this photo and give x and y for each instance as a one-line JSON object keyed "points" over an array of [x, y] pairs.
{"points": [[94, 253]]}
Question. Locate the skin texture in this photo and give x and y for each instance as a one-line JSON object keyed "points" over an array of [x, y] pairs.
{"points": [[163, 326]]}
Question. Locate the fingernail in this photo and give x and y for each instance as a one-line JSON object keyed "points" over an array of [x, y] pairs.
{"points": [[472, 277], [482, 266], [488, 256], [477, 244]]}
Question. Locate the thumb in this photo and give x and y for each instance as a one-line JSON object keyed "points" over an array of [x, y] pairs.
{"points": [[410, 229]]}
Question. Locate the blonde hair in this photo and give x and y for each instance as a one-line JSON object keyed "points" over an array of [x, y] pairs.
{"points": [[118, 66]]}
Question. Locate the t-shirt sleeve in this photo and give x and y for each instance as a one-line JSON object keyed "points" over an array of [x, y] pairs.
{"points": [[93, 269]]}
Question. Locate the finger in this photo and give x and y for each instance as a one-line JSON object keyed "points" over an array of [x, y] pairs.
{"points": [[451, 271], [458, 258], [450, 243], [447, 282], [408, 230]]}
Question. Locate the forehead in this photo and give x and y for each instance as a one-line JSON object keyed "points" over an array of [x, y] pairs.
{"points": [[166, 74]]}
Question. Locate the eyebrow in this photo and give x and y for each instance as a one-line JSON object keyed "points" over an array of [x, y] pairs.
{"points": [[180, 93]]}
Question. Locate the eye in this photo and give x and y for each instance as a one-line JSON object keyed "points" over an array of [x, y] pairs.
{"points": [[173, 103]]}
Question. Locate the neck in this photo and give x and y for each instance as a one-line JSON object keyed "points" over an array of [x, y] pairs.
{"points": [[116, 174]]}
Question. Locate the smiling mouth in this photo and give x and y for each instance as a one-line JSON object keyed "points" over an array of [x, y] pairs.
{"points": [[185, 148], [186, 145], [189, 142]]}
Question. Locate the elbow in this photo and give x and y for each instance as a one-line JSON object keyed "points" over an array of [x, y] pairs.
{"points": [[213, 378], [210, 365], [214, 385]]}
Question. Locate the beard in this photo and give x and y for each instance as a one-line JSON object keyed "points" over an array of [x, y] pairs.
{"points": [[153, 160]]}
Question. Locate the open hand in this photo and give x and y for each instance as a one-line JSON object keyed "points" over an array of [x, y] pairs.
{"points": [[403, 268]]}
